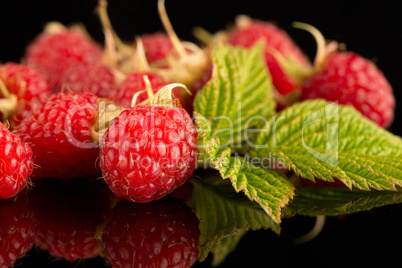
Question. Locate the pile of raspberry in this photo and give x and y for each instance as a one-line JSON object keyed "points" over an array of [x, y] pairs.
{"points": [[75, 111]]}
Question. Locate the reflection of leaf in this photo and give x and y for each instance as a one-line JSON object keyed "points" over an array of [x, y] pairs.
{"points": [[223, 212], [322, 140], [269, 188], [223, 248], [239, 95], [332, 201]]}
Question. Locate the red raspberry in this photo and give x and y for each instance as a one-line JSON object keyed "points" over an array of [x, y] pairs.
{"points": [[17, 229], [59, 132], [148, 151], [95, 78], [133, 83], [353, 80], [16, 163], [68, 213], [52, 53], [249, 31], [157, 46], [26, 83], [162, 233]]}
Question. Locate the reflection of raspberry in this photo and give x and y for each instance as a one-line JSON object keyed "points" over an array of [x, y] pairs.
{"points": [[148, 151], [15, 165], [353, 80], [58, 130], [17, 229], [161, 233], [54, 53], [95, 78], [134, 83], [68, 213]]}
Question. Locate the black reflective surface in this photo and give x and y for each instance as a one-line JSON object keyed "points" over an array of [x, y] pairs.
{"points": [[80, 222]]}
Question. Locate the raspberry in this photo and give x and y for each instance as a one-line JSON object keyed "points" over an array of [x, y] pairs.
{"points": [[68, 213], [54, 52], [157, 46], [95, 78], [278, 45], [247, 33], [26, 84], [133, 83], [163, 233], [16, 163], [17, 229], [353, 80], [148, 151], [59, 132]]}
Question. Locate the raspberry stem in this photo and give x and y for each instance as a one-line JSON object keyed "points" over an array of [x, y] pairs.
{"points": [[169, 29], [105, 21], [202, 35], [8, 102], [54, 27], [163, 97], [106, 112], [141, 59], [314, 232], [191, 62], [323, 49], [116, 54]]}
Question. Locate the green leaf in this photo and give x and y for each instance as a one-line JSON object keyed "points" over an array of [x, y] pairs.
{"points": [[333, 201], [269, 188], [223, 212], [223, 248], [239, 95], [322, 140]]}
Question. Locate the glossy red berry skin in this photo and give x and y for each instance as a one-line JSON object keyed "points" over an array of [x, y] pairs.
{"points": [[54, 53], [17, 229], [59, 133], [351, 79], [133, 83], [16, 163], [148, 151], [68, 213], [95, 78], [26, 83], [156, 46], [275, 38], [163, 233]]}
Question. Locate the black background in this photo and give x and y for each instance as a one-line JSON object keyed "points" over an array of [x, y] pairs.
{"points": [[370, 28]]}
